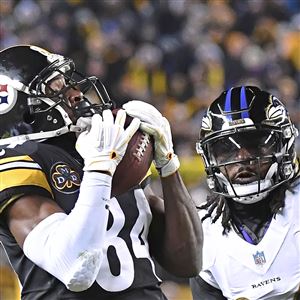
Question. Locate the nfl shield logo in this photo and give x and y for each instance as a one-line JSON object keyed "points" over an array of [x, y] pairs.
{"points": [[259, 258]]}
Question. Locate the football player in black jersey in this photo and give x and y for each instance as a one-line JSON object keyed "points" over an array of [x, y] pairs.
{"points": [[65, 236]]}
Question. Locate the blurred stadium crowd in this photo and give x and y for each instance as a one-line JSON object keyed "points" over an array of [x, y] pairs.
{"points": [[177, 54]]}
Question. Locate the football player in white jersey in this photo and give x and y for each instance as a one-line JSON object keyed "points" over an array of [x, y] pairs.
{"points": [[65, 236], [251, 220]]}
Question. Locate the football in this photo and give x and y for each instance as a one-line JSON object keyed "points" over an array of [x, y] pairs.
{"points": [[135, 163]]}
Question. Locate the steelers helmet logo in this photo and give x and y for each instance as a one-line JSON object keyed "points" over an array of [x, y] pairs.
{"points": [[8, 95], [64, 179]]}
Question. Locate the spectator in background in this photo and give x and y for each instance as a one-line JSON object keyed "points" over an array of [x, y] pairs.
{"points": [[142, 49], [9, 284], [191, 37]]}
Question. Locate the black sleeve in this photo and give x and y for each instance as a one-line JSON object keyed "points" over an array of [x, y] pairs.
{"points": [[201, 290]]}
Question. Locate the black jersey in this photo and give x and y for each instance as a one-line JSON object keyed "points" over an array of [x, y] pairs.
{"points": [[127, 270]]}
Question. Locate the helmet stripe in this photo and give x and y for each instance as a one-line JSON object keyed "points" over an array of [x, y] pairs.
{"points": [[228, 103], [243, 103]]}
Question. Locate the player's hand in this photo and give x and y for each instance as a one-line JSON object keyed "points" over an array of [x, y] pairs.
{"points": [[104, 145], [153, 123], [84, 123]]}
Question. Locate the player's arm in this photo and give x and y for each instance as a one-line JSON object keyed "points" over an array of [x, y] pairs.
{"points": [[26, 212], [66, 246], [201, 290], [176, 230], [175, 233], [69, 246]]}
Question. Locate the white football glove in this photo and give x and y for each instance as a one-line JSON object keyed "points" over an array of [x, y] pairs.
{"points": [[153, 123], [104, 145], [82, 124]]}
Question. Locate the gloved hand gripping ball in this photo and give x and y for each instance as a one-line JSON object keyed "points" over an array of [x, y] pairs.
{"points": [[104, 145], [135, 163], [115, 145], [152, 122]]}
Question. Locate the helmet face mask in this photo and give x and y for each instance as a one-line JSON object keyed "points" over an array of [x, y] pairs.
{"points": [[247, 144], [259, 143], [30, 109]]}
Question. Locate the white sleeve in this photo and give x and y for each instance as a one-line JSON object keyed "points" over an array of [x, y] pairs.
{"points": [[207, 276], [69, 246]]}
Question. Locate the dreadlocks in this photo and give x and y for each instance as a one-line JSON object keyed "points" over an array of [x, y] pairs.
{"points": [[219, 204]]}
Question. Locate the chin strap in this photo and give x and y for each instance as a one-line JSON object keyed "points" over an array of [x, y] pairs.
{"points": [[42, 136], [251, 199], [38, 136]]}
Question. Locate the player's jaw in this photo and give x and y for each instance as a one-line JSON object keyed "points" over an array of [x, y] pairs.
{"points": [[242, 173]]}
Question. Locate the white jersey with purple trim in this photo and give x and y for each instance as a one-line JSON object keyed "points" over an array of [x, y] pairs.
{"points": [[268, 270]]}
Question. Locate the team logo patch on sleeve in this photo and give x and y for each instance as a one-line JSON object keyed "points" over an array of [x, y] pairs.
{"points": [[64, 179]]}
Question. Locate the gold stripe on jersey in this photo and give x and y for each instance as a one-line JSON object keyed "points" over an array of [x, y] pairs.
{"points": [[20, 177], [21, 174]]}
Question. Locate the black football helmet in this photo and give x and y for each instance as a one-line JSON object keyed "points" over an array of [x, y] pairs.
{"points": [[247, 118], [29, 108]]}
